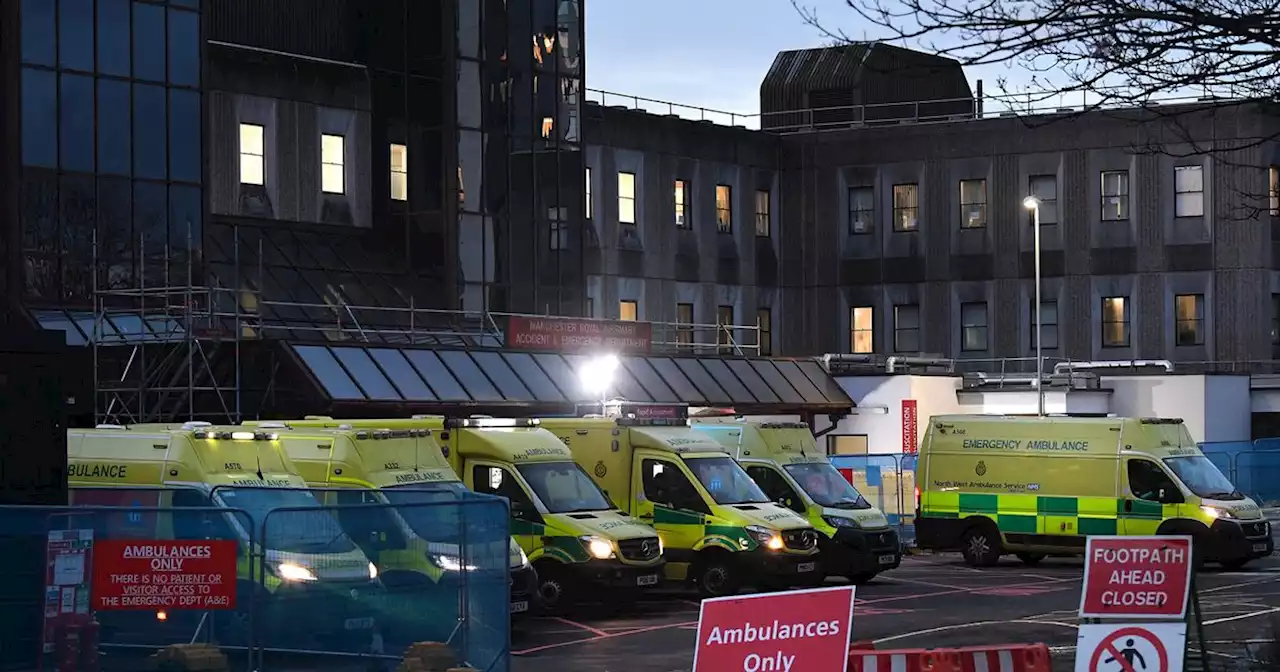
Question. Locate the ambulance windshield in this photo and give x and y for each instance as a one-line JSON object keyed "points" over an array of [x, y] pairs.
{"points": [[294, 531], [1202, 477], [563, 487], [826, 486], [420, 506], [725, 480]]}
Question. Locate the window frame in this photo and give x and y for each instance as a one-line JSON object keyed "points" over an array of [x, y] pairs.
{"points": [[724, 328], [1051, 203], [982, 329], [967, 223], [1196, 321], [1121, 197], [1124, 321], [633, 305], [855, 214], [403, 172], [630, 199], [327, 161], [868, 332], [261, 159], [899, 210], [1044, 326], [764, 215], [680, 203], [1273, 190], [1179, 191], [684, 328], [764, 322], [899, 331], [587, 208], [558, 229], [724, 212]]}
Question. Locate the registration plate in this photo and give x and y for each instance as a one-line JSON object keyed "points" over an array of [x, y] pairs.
{"points": [[647, 580], [365, 623], [887, 559], [1259, 548], [520, 607], [806, 567]]}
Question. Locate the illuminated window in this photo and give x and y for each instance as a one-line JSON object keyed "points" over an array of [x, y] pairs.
{"points": [[724, 208], [763, 225], [681, 194], [1048, 324], [1188, 188], [1115, 322], [626, 198], [1115, 195], [548, 124], [1045, 188], [332, 176], [973, 204], [862, 210], [684, 322], [628, 310], [862, 330], [764, 319], [973, 326], [1188, 310], [252, 154], [1273, 190], [587, 206], [906, 207], [906, 328], [399, 172]]}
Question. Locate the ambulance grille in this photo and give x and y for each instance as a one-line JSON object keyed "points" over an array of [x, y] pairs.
{"points": [[639, 550], [800, 540], [1254, 529]]}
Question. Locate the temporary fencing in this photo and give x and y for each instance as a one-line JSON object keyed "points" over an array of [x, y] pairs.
{"points": [[259, 574], [888, 482], [1252, 466]]}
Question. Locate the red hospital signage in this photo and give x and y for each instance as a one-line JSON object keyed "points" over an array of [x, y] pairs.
{"points": [[910, 441], [565, 334], [164, 574], [1136, 577], [796, 631]]}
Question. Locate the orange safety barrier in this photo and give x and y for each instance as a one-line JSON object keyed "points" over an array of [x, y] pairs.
{"points": [[1001, 658], [904, 660], [1005, 658]]}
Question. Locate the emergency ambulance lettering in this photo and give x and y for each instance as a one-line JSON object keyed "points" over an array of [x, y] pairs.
{"points": [[261, 483], [992, 444], [418, 477], [98, 471]]}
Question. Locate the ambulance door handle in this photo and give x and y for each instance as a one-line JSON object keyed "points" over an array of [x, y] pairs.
{"points": [[1128, 505]]}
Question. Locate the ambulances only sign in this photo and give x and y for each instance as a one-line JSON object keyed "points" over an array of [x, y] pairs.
{"points": [[796, 631], [164, 575], [1139, 577]]}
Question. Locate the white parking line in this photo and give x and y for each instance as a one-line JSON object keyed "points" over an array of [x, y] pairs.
{"points": [[961, 626], [1254, 614]]}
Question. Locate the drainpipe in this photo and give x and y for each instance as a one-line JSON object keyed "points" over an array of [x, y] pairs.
{"points": [[1067, 367], [892, 363]]}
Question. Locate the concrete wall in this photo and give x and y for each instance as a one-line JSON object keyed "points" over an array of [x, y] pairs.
{"points": [[1214, 408]]}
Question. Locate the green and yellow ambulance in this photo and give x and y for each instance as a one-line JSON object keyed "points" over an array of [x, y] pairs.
{"points": [[578, 541], [318, 585], [993, 485], [719, 530], [783, 458]]}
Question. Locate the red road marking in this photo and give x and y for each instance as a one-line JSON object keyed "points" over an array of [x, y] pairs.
{"points": [[583, 626], [1115, 655]]}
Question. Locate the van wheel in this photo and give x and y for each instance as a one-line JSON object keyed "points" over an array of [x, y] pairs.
{"points": [[716, 576], [982, 547], [554, 591], [1233, 565], [1031, 559], [863, 578]]}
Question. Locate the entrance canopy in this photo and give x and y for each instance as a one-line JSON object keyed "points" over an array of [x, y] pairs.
{"points": [[378, 381]]}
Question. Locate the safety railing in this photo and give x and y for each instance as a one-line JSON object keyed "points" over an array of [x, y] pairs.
{"points": [[887, 482], [250, 579], [1252, 466]]}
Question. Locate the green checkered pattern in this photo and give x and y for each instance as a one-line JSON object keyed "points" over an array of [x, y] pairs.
{"points": [[1035, 514]]}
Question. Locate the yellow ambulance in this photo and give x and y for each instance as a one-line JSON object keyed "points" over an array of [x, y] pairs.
{"points": [[578, 541], [315, 582], [409, 530], [992, 485], [719, 530], [783, 458]]}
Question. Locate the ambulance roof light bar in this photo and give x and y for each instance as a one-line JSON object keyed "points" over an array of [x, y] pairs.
{"points": [[223, 435], [384, 434], [486, 422], [110, 426]]}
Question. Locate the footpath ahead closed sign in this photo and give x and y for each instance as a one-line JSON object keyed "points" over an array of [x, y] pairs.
{"points": [[1136, 577], [796, 631]]}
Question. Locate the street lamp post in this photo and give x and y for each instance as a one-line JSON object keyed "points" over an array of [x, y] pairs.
{"points": [[1033, 204]]}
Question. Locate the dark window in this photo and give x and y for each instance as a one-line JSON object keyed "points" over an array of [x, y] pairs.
{"points": [[764, 319], [184, 135], [113, 37], [538, 382], [906, 207], [185, 213], [184, 48], [114, 131], [1275, 319], [776, 488], [906, 328], [764, 223], [366, 374], [1048, 324], [78, 213], [116, 251], [1045, 189], [1149, 482], [973, 326], [402, 374], [665, 485], [38, 32], [1115, 195], [862, 210], [151, 223], [1188, 310], [75, 34], [433, 370], [489, 480], [39, 118], [148, 41], [328, 372], [76, 142], [503, 377], [1115, 322], [150, 141], [973, 204], [684, 317], [470, 375]]}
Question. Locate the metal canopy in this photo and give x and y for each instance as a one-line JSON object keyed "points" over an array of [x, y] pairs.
{"points": [[361, 379]]}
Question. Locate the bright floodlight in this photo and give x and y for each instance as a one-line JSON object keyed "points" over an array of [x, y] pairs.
{"points": [[1031, 202], [597, 374]]}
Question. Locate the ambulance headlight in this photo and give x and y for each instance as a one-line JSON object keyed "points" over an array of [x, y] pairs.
{"points": [[598, 548], [524, 557], [373, 571], [1218, 512], [450, 563], [765, 537], [289, 571], [836, 521]]}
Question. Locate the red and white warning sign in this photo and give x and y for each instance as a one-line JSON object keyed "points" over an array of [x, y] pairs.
{"points": [[795, 631], [1148, 647], [1136, 577]]}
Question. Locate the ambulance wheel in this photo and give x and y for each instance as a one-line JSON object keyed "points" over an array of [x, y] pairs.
{"points": [[1031, 559], [981, 546], [716, 576], [1233, 565], [554, 591], [863, 578]]}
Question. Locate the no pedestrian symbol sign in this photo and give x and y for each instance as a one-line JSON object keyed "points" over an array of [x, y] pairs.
{"points": [[1136, 577], [1153, 647]]}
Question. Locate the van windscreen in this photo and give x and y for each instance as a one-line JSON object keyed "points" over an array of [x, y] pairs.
{"points": [[1203, 477], [826, 486]]}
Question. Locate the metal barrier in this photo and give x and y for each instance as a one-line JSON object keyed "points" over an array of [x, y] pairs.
{"points": [[1252, 466], [247, 577], [888, 482]]}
